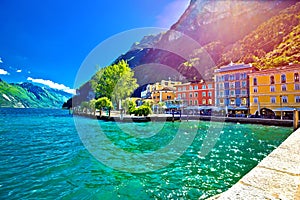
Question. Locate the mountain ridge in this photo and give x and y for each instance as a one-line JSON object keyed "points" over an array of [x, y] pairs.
{"points": [[28, 95]]}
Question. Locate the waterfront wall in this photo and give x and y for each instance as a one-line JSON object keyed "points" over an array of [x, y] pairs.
{"points": [[275, 177]]}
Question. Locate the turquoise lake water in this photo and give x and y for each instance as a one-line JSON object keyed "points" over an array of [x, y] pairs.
{"points": [[42, 156]]}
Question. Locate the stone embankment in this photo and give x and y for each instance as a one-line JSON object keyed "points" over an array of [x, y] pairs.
{"points": [[275, 177]]}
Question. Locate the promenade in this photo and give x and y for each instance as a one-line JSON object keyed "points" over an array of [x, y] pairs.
{"points": [[275, 177]]}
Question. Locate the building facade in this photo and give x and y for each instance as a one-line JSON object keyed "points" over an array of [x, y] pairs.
{"points": [[276, 89], [232, 85], [164, 91], [196, 93]]}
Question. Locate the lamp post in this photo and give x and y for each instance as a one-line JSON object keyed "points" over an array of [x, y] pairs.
{"points": [[280, 107]]}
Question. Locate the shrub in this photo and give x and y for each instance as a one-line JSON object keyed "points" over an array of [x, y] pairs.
{"points": [[144, 110]]}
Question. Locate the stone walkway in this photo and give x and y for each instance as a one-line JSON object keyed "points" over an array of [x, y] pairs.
{"points": [[275, 177]]}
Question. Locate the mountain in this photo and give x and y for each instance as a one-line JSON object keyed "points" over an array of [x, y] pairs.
{"points": [[212, 33], [274, 43], [27, 95], [217, 27]]}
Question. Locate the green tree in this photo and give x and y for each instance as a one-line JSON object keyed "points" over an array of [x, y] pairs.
{"points": [[129, 106], [92, 105], [102, 103], [84, 106], [115, 82]]}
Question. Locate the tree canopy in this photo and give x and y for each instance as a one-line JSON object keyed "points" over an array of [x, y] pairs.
{"points": [[116, 82]]}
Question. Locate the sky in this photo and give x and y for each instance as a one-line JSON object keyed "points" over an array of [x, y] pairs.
{"points": [[46, 42]]}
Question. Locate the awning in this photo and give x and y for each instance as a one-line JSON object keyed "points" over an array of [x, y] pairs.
{"points": [[241, 108], [285, 109]]}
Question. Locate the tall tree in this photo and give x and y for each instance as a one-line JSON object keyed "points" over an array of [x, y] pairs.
{"points": [[115, 82]]}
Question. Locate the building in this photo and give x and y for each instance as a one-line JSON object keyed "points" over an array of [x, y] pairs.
{"points": [[276, 91], [164, 91], [232, 86], [146, 91], [196, 93]]}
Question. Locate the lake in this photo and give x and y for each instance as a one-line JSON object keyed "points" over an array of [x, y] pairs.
{"points": [[45, 153]]}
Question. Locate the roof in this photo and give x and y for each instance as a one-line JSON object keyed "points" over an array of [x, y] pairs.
{"points": [[277, 69], [232, 67], [168, 89]]}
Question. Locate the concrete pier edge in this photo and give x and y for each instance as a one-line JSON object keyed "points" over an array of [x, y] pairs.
{"points": [[276, 177]]}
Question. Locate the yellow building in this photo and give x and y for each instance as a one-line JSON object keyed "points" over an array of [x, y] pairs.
{"points": [[275, 92], [164, 91]]}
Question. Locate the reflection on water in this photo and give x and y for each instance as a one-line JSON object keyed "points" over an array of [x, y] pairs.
{"points": [[41, 156]]}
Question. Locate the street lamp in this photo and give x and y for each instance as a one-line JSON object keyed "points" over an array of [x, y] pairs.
{"points": [[280, 107]]}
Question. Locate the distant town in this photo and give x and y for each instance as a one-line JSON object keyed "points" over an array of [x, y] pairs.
{"points": [[235, 90]]}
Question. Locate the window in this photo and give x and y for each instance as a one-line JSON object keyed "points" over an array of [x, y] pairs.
{"points": [[283, 78], [272, 88], [232, 85], [204, 94], [204, 101], [203, 86], [222, 78], [254, 81], [183, 95], [232, 101], [244, 101], [297, 99], [232, 92], [196, 94], [297, 86], [243, 76], [168, 97], [179, 96], [196, 102], [209, 94], [231, 77], [296, 77], [244, 84], [221, 101], [255, 90], [272, 80], [284, 99], [221, 94], [191, 102], [184, 88], [210, 101], [179, 89], [196, 87], [283, 88], [191, 95], [191, 87], [273, 99], [209, 86], [244, 92], [221, 85], [255, 100]]}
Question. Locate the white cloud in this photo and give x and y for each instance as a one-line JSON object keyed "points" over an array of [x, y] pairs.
{"points": [[19, 71], [171, 13], [3, 72], [53, 85]]}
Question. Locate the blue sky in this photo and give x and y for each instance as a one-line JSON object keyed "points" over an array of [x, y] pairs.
{"points": [[49, 39]]}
